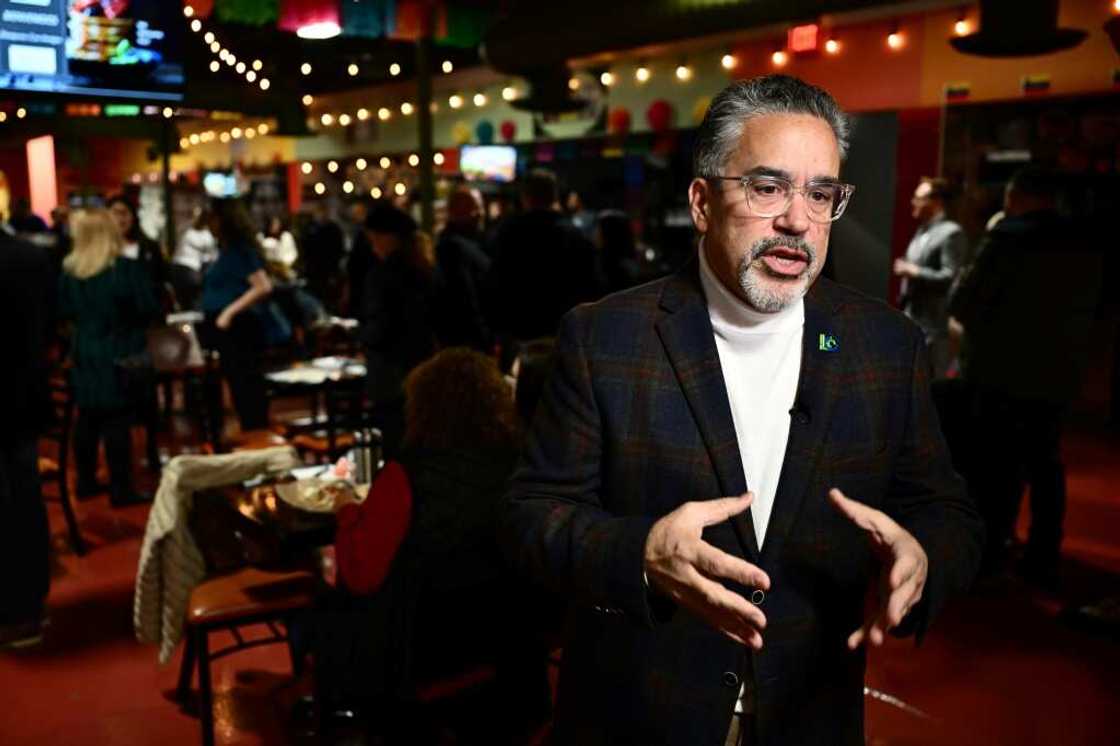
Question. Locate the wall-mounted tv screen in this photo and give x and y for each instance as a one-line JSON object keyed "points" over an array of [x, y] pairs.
{"points": [[488, 162], [221, 184], [105, 48]]}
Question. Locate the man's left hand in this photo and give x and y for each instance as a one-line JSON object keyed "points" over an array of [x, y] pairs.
{"points": [[903, 268], [904, 568]]}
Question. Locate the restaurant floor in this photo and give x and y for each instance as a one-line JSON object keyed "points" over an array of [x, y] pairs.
{"points": [[1001, 666]]}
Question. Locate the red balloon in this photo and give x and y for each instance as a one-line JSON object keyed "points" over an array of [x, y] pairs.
{"points": [[659, 115], [508, 130], [618, 121]]}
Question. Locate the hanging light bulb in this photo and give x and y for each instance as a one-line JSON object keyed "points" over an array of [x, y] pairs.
{"points": [[509, 93], [447, 67], [895, 39], [684, 73], [332, 166], [251, 76], [385, 162], [224, 137], [196, 25], [184, 142], [729, 61], [375, 192], [168, 112], [320, 188], [348, 186], [307, 168], [215, 46], [960, 28], [479, 100], [305, 68], [641, 74], [779, 58], [327, 120], [250, 133], [344, 120], [400, 189], [406, 109], [832, 46], [235, 133], [195, 139], [257, 65], [264, 83], [352, 70], [240, 68], [188, 11], [308, 99], [414, 160], [384, 113], [208, 37], [363, 114], [262, 129], [360, 164], [215, 66], [438, 159], [394, 69], [607, 78], [455, 102], [573, 83]]}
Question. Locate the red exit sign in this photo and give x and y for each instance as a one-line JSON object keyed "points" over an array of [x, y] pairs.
{"points": [[803, 38]]}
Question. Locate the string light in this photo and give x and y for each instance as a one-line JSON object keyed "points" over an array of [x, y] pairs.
{"points": [[447, 67], [264, 83], [262, 129], [3, 116], [208, 37], [455, 102], [224, 137], [196, 25], [240, 68], [641, 74], [250, 133], [21, 113], [383, 114], [375, 192], [168, 112], [573, 83], [607, 79], [394, 69], [684, 72], [438, 159], [215, 66], [231, 58], [960, 28], [320, 188], [360, 164], [194, 139], [414, 160], [327, 120], [385, 162], [509, 93], [250, 76], [215, 46], [188, 11], [332, 166], [235, 133], [895, 39], [308, 99], [363, 114], [307, 168], [305, 68], [257, 65], [729, 61], [406, 109], [352, 70], [348, 186], [344, 120], [184, 142], [400, 189], [479, 99], [779, 58]]}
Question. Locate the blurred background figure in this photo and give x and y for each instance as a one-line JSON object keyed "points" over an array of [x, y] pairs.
{"points": [[582, 218], [239, 325], [1026, 307], [138, 246], [25, 276], [360, 258], [279, 247], [324, 247], [397, 323], [542, 265], [23, 221], [614, 238], [109, 298], [197, 249], [463, 266], [933, 259]]}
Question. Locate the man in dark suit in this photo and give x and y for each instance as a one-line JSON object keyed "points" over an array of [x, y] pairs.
{"points": [[706, 620]]}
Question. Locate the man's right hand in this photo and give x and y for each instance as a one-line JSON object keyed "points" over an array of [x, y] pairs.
{"points": [[680, 564]]}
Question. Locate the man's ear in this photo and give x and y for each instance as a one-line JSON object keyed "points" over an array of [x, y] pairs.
{"points": [[699, 204]]}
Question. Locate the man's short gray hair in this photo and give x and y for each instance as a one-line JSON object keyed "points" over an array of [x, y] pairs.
{"points": [[722, 128]]}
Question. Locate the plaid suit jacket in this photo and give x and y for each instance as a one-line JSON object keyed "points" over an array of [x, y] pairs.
{"points": [[634, 422]]}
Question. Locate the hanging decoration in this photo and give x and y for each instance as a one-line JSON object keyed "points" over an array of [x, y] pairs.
{"points": [[365, 18], [484, 131], [618, 121], [700, 109], [246, 12], [295, 14], [508, 130], [461, 133], [659, 115]]}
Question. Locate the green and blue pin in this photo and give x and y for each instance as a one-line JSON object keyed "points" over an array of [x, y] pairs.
{"points": [[827, 343]]}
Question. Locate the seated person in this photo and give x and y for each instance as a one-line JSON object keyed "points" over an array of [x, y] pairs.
{"points": [[423, 544]]}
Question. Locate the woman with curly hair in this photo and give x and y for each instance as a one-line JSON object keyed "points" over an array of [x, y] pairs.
{"points": [[425, 587]]}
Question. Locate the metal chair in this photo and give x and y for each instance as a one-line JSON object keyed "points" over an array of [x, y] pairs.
{"points": [[57, 471]]}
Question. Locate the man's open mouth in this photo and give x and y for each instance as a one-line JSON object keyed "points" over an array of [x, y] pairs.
{"points": [[786, 262]]}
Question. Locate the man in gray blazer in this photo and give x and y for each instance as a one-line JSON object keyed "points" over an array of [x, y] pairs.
{"points": [[933, 259]]}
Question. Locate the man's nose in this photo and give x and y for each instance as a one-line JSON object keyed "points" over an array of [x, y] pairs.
{"points": [[795, 220]]}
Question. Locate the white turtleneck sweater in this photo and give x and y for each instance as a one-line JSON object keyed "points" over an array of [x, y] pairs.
{"points": [[760, 354]]}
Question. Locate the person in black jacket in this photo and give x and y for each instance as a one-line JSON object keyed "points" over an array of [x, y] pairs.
{"points": [[543, 266], [137, 245], [463, 266], [25, 275], [1026, 307], [397, 328]]}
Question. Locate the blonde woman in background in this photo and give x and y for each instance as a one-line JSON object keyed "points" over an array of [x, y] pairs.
{"points": [[109, 298]]}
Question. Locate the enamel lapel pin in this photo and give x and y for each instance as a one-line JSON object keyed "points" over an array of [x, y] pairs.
{"points": [[827, 343]]}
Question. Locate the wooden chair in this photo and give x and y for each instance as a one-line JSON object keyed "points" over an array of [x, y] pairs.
{"points": [[231, 602], [57, 470]]}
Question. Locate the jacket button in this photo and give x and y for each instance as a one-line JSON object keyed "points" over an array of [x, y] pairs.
{"points": [[730, 680], [758, 596]]}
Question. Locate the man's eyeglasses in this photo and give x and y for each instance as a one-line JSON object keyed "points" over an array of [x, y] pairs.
{"points": [[771, 196]]}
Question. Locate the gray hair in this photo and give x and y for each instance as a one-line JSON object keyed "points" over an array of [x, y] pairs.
{"points": [[719, 133]]}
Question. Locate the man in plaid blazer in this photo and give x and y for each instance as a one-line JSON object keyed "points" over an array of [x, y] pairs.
{"points": [[699, 618]]}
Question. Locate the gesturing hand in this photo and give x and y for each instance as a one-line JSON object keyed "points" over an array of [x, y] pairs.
{"points": [[904, 564], [680, 564]]}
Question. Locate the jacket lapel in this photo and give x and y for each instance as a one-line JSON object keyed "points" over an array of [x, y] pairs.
{"points": [[822, 355], [686, 333]]}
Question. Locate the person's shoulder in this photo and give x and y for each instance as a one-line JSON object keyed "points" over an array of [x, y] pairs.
{"points": [[625, 315], [19, 255], [873, 315]]}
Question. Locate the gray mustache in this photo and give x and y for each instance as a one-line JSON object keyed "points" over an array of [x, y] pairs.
{"points": [[766, 245]]}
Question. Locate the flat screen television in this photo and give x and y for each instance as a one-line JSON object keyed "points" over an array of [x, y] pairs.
{"points": [[221, 184], [104, 48], [488, 162]]}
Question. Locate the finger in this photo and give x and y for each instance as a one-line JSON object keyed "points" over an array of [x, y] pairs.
{"points": [[902, 572], [876, 523], [901, 601], [717, 511], [716, 563], [710, 595]]}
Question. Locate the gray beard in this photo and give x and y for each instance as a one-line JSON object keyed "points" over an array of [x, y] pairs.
{"points": [[767, 300]]}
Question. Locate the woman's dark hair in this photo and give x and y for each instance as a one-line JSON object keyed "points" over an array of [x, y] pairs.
{"points": [[119, 199], [458, 400], [235, 225], [415, 244], [275, 220]]}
